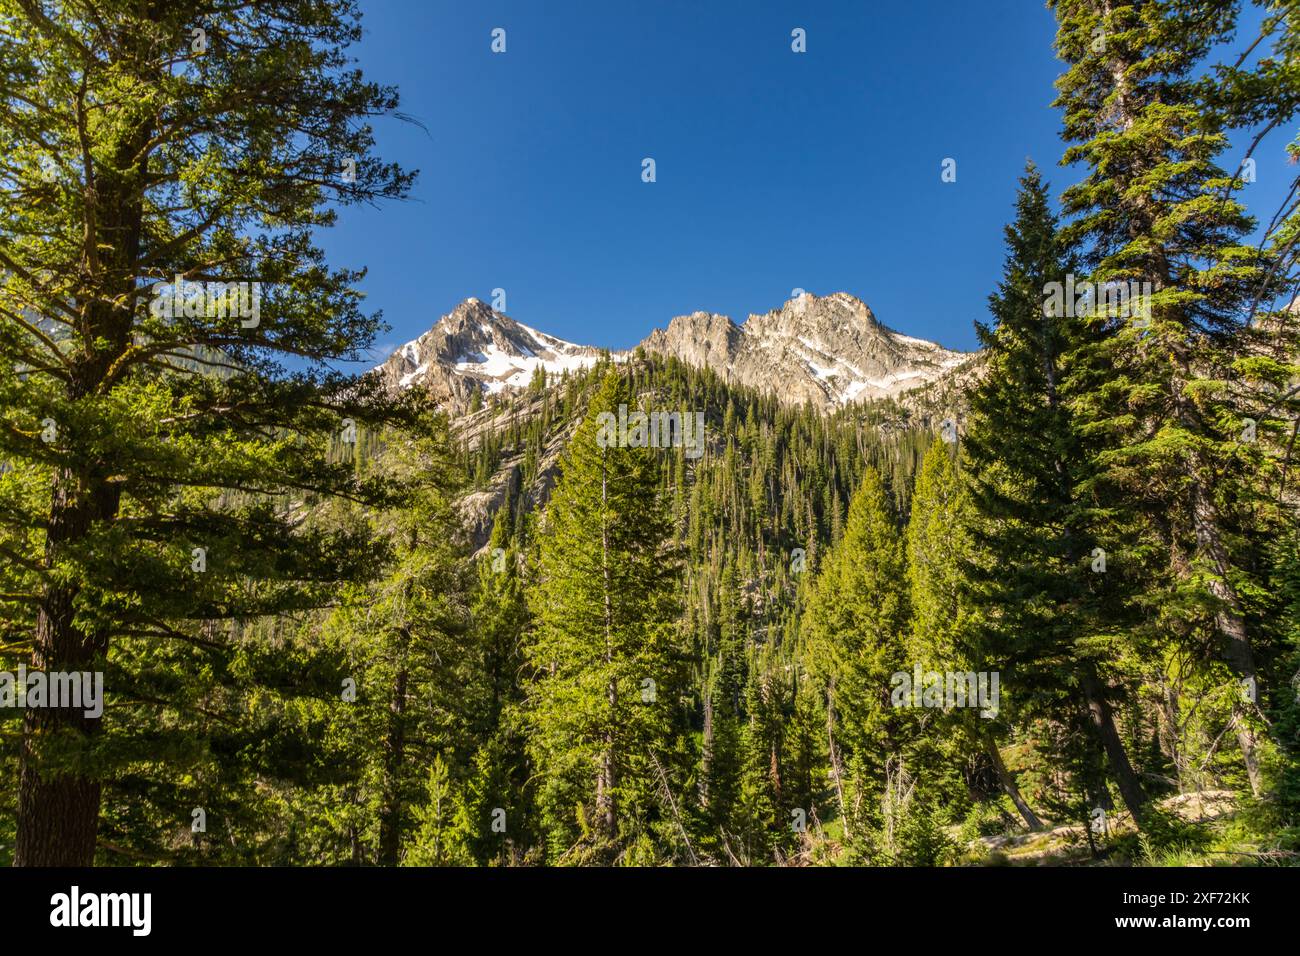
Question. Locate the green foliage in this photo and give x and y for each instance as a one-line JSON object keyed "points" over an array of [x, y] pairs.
{"points": [[606, 648], [440, 834], [136, 434], [854, 633], [651, 658]]}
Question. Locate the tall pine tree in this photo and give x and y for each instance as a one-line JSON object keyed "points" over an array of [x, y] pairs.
{"points": [[1156, 209], [854, 628], [606, 647], [146, 143], [1038, 572]]}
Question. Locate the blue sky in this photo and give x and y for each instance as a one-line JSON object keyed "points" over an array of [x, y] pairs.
{"points": [[775, 170]]}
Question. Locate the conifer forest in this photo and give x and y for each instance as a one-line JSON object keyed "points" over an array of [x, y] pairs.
{"points": [[263, 603]]}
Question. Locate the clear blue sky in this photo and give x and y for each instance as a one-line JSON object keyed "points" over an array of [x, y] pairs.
{"points": [[775, 170]]}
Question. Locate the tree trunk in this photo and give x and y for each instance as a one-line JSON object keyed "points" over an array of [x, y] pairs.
{"points": [[58, 813], [606, 806], [706, 754], [1229, 620], [836, 768], [1170, 736], [390, 822], [1130, 788], [1009, 785], [774, 772]]}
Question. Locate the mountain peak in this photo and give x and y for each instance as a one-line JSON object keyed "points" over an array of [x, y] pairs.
{"points": [[474, 348], [810, 310], [827, 350], [471, 308], [810, 301]]}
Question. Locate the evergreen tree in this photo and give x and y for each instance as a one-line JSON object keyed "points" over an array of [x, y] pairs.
{"points": [[855, 628], [720, 760], [500, 772], [1263, 96], [606, 645], [944, 632], [401, 642], [1037, 570], [440, 837], [1155, 209], [157, 440]]}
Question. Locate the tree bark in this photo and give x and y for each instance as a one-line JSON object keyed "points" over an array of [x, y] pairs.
{"points": [[1130, 788], [1009, 785], [58, 813], [390, 822]]}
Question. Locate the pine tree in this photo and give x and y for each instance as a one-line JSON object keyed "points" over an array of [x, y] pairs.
{"points": [[1035, 572], [606, 647], [1261, 96], [1156, 208], [161, 437], [937, 544], [944, 632], [500, 616], [855, 630], [500, 775], [403, 643], [807, 765], [752, 831], [440, 838], [721, 759], [420, 612]]}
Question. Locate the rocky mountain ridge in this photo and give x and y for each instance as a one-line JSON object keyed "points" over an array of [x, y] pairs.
{"points": [[829, 351]]}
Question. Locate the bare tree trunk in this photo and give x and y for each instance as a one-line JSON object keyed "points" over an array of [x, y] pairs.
{"points": [[1171, 734], [606, 805], [836, 768], [1009, 785], [390, 822], [774, 772], [706, 756], [1130, 788]]}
